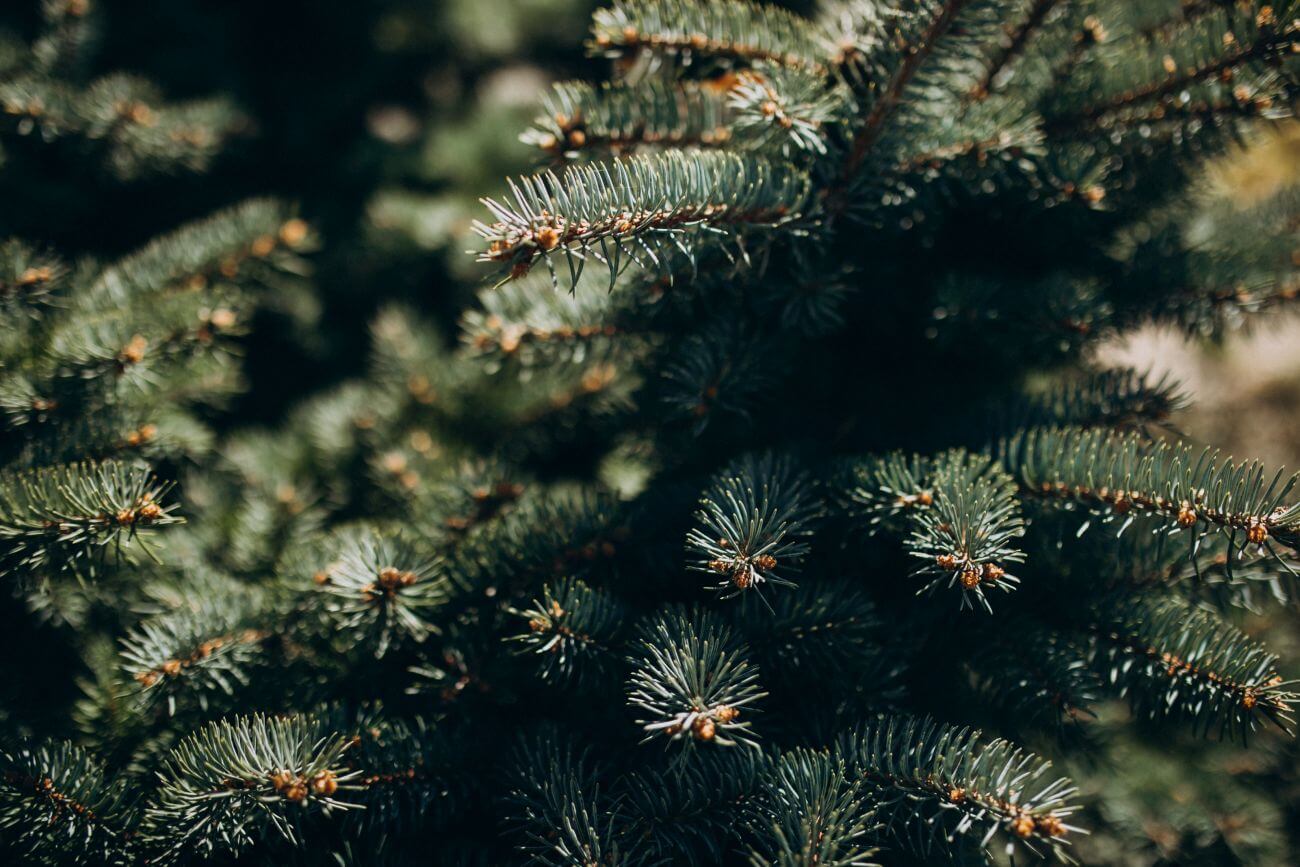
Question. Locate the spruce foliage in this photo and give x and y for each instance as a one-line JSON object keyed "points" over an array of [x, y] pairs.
{"points": [[771, 508]]}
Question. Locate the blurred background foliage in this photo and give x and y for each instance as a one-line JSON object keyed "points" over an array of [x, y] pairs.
{"points": [[386, 120]]}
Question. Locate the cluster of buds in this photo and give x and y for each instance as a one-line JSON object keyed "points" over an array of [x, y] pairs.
{"points": [[703, 724], [550, 620], [133, 352], [141, 435], [144, 511], [293, 787], [744, 569], [173, 667], [970, 574], [135, 112], [911, 501], [388, 582], [1024, 824]]}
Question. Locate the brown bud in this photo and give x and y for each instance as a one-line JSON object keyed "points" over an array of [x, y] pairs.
{"points": [[970, 579], [262, 246], [1051, 826], [324, 783], [1022, 825], [294, 232], [704, 729]]}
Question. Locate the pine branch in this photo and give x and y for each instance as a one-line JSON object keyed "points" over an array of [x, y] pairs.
{"points": [[1125, 475], [376, 589], [691, 810], [751, 523], [536, 325], [720, 371], [940, 18], [1116, 398], [1012, 46], [642, 209], [557, 805], [64, 517], [218, 248], [775, 106], [1174, 660], [936, 784], [813, 811], [1034, 674], [578, 117], [57, 804], [30, 279], [958, 511], [408, 769], [732, 30], [966, 538], [1271, 41], [236, 783], [571, 630], [195, 654], [692, 682]]}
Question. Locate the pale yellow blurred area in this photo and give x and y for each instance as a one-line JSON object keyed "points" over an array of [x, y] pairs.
{"points": [[1246, 392]]}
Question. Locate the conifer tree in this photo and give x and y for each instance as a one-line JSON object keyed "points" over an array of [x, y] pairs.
{"points": [[772, 509]]}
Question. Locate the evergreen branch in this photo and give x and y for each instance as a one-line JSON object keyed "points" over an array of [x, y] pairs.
{"points": [[941, 15], [935, 784], [579, 117], [733, 30], [534, 324], [1114, 474], [213, 249], [1188, 12], [690, 811], [193, 653], [30, 279], [721, 370], [570, 630], [752, 522], [1034, 674], [817, 638], [377, 588], [1272, 40], [1175, 660], [406, 767], [959, 512], [58, 804], [135, 340], [692, 681], [883, 490], [814, 812], [557, 806], [773, 105], [638, 208], [62, 516], [551, 535], [966, 538], [1115, 398], [235, 783], [1012, 46]]}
